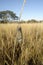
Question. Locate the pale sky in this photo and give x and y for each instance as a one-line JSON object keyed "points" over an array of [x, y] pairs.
{"points": [[33, 8]]}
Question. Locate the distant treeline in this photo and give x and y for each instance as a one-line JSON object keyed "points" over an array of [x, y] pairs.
{"points": [[34, 21], [29, 21]]}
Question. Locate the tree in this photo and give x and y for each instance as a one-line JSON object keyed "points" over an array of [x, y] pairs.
{"points": [[32, 21], [8, 15]]}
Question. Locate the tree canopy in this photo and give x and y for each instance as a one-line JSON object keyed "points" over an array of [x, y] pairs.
{"points": [[8, 15]]}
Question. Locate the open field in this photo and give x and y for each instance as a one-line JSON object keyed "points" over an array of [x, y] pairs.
{"points": [[29, 52]]}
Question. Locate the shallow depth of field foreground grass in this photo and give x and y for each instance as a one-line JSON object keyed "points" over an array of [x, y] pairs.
{"points": [[30, 51]]}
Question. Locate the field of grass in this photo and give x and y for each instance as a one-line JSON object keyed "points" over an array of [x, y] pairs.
{"points": [[30, 52]]}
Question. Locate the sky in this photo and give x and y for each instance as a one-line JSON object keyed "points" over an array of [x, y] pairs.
{"points": [[33, 9]]}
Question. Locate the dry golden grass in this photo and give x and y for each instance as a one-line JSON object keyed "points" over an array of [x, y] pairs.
{"points": [[32, 46]]}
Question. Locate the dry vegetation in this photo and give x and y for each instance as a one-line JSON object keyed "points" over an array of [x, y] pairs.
{"points": [[30, 52]]}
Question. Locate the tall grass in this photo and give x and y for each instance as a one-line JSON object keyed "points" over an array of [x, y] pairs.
{"points": [[31, 50]]}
